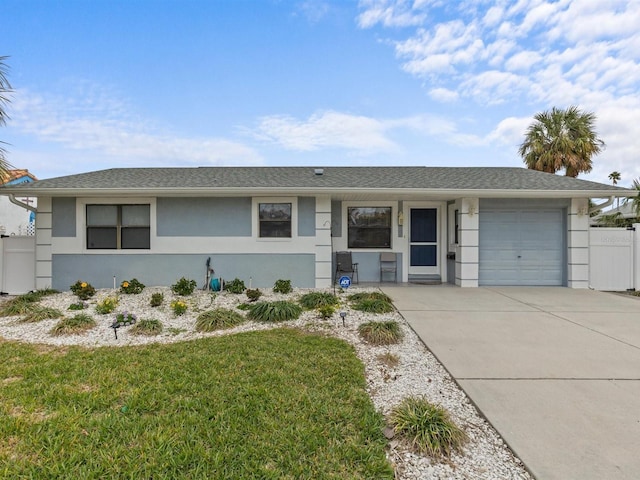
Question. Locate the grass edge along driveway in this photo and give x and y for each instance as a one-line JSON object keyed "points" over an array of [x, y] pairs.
{"points": [[274, 404]]}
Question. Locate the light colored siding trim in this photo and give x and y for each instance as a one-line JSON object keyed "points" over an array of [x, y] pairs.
{"points": [[467, 263], [578, 244], [323, 264], [43, 244]]}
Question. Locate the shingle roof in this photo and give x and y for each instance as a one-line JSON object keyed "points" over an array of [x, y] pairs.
{"points": [[304, 178]]}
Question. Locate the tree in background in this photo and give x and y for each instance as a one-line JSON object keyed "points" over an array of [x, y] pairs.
{"points": [[5, 91], [561, 139], [636, 200], [615, 178]]}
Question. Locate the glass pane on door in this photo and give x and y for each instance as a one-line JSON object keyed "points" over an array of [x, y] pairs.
{"points": [[424, 225], [424, 255]]}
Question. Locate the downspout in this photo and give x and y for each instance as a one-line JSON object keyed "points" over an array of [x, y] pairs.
{"points": [[595, 208], [15, 201]]}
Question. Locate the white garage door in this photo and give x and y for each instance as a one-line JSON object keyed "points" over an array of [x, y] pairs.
{"points": [[522, 247]]}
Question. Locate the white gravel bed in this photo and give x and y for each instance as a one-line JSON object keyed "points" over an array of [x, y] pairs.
{"points": [[485, 455]]}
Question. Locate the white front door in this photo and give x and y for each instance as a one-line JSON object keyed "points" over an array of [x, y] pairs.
{"points": [[424, 251]]}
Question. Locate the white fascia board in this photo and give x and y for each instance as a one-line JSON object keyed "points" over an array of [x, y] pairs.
{"points": [[342, 192]]}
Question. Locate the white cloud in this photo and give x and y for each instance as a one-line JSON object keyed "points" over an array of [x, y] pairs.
{"points": [[329, 129], [390, 13], [530, 55], [443, 95], [523, 61], [96, 121]]}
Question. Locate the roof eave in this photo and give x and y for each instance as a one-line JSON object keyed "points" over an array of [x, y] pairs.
{"points": [[234, 191]]}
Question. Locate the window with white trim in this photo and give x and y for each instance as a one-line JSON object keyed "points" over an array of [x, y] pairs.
{"points": [[369, 227], [274, 220], [114, 227]]}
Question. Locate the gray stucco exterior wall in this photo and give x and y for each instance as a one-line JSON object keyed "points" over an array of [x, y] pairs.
{"points": [[203, 217], [63, 217], [306, 216], [165, 270]]}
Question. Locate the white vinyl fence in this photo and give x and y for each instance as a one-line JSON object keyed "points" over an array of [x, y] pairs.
{"points": [[17, 264], [614, 258]]}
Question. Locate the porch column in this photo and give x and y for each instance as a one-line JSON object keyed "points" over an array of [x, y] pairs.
{"points": [[43, 244], [578, 244], [323, 241], [467, 263]]}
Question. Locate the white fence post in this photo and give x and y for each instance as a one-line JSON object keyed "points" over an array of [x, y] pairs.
{"points": [[636, 254], [611, 259], [18, 264]]}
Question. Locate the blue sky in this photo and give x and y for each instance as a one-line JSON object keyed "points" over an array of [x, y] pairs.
{"points": [[102, 84]]}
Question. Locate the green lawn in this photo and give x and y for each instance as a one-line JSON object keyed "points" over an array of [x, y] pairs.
{"points": [[265, 405]]}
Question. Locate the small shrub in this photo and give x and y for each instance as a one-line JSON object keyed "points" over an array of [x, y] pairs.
{"points": [[73, 325], [39, 313], [124, 319], [282, 286], [83, 290], [234, 286], [253, 294], [274, 311], [156, 299], [326, 311], [374, 305], [78, 306], [132, 286], [381, 333], [218, 319], [313, 300], [147, 326], [427, 427], [184, 287], [243, 306], [178, 307], [107, 305]]}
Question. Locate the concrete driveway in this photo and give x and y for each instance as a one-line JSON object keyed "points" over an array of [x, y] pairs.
{"points": [[555, 370]]}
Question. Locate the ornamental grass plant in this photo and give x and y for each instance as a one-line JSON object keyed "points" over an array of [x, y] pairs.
{"points": [[427, 427], [24, 304], [278, 311], [39, 313], [218, 319], [380, 333], [313, 300], [74, 325], [147, 326]]}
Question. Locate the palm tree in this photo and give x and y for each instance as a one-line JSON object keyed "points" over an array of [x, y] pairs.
{"points": [[636, 199], [614, 177], [5, 90], [561, 139]]}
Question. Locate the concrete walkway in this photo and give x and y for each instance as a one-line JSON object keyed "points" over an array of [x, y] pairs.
{"points": [[555, 370]]}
